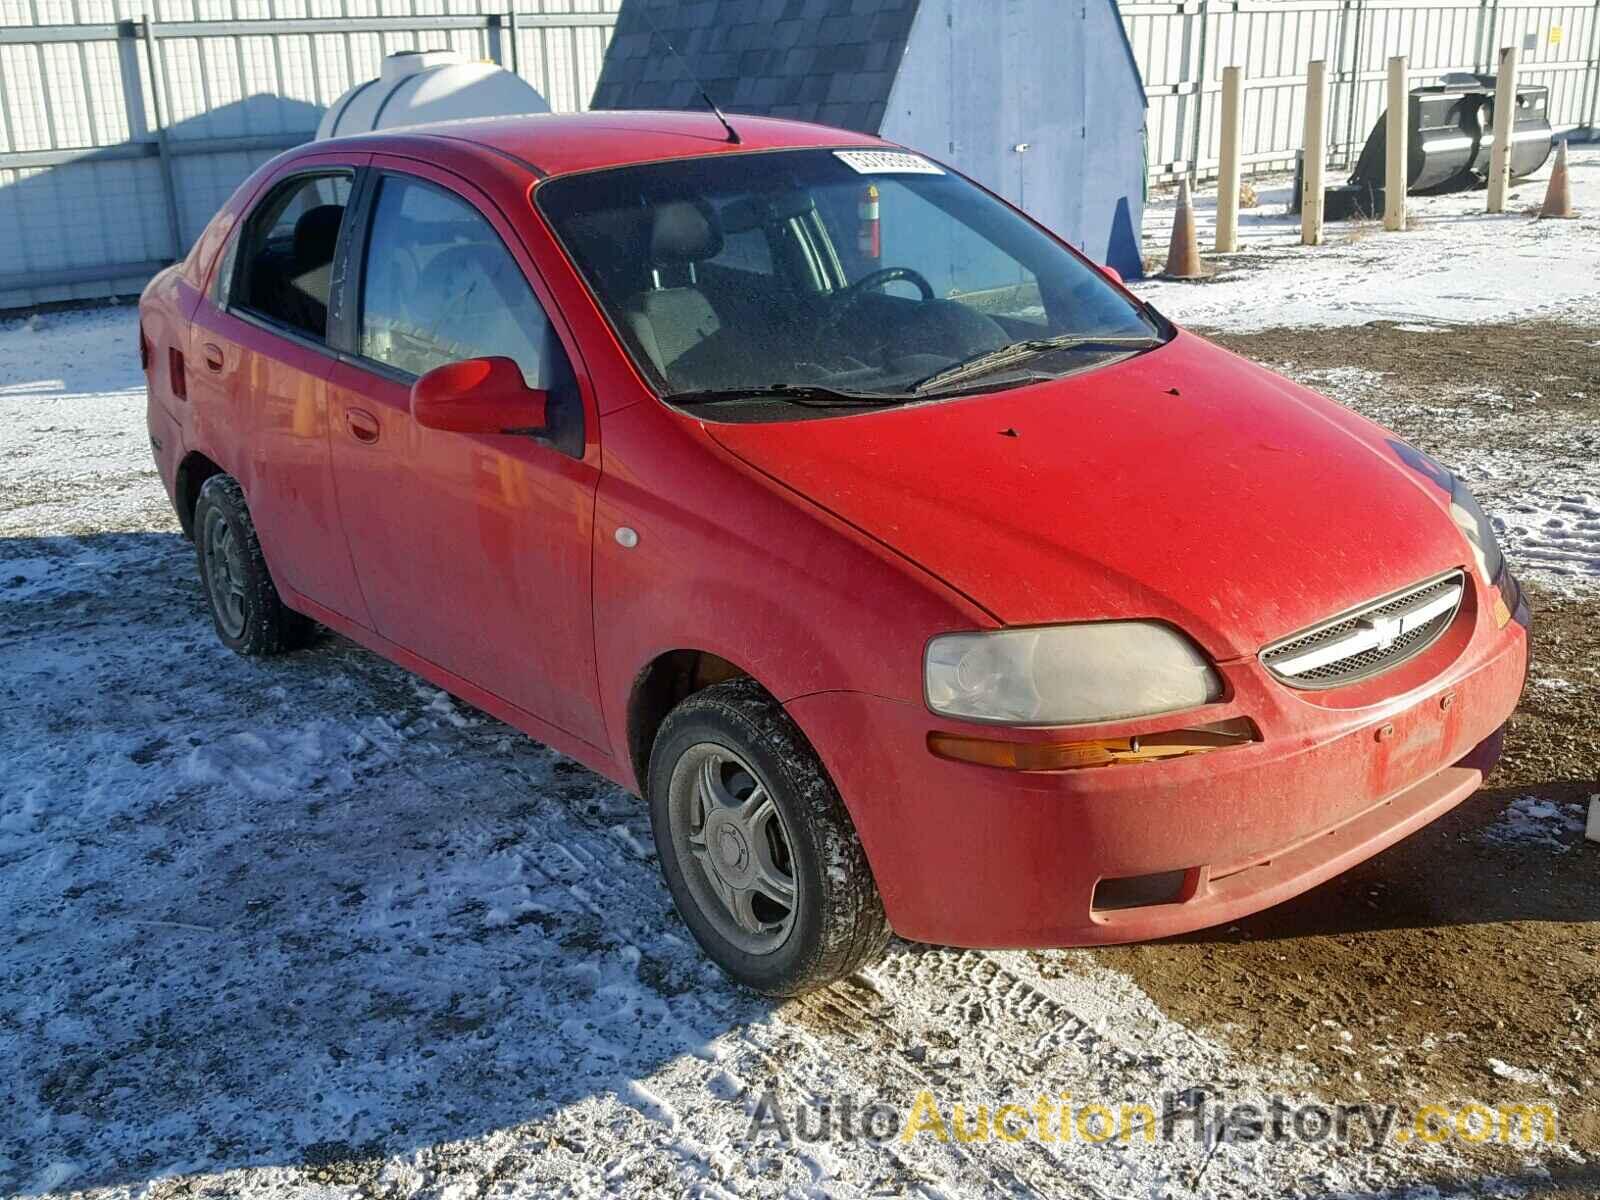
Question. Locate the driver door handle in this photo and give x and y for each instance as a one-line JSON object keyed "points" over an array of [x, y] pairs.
{"points": [[213, 355], [362, 424]]}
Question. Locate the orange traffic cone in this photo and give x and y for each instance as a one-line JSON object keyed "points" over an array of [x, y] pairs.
{"points": [[1183, 256], [1558, 196]]}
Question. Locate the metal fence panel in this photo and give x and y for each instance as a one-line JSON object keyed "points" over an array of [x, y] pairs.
{"points": [[119, 140], [115, 147], [1182, 47]]}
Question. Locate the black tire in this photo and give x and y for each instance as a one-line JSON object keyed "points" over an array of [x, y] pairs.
{"points": [[837, 923], [249, 616]]}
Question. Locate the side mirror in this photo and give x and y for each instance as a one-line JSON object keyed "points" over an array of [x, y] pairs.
{"points": [[479, 395], [1111, 273]]}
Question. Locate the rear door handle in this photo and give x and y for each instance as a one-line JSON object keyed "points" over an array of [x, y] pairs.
{"points": [[213, 354], [362, 424]]}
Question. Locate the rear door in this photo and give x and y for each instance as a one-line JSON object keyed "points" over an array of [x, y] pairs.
{"points": [[473, 551], [258, 365]]}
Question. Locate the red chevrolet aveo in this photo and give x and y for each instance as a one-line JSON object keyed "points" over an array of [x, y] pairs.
{"points": [[920, 576]]}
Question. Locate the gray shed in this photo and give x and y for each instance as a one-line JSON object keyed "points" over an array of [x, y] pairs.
{"points": [[1039, 100]]}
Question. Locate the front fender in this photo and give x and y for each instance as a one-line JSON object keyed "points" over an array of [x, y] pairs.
{"points": [[729, 562]]}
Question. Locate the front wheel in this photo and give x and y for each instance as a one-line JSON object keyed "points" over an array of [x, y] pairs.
{"points": [[758, 851]]}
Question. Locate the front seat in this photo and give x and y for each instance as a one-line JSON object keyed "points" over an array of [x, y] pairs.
{"points": [[316, 234], [671, 319]]}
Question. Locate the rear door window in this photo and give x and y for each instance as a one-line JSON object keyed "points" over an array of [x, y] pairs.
{"points": [[282, 264]]}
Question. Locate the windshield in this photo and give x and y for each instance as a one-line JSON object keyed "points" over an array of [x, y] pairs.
{"points": [[831, 277]]}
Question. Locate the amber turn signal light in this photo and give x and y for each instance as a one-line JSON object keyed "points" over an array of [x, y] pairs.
{"points": [[1502, 614], [1097, 752]]}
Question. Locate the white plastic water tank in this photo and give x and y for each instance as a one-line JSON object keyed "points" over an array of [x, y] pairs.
{"points": [[416, 86]]}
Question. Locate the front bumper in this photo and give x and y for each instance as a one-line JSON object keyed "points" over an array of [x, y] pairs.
{"points": [[977, 856]]}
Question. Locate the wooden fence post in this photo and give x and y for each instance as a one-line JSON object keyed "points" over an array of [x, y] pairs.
{"points": [[1505, 119], [1396, 136], [1314, 156], [1228, 167]]}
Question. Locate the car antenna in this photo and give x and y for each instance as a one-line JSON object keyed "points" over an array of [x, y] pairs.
{"points": [[733, 134]]}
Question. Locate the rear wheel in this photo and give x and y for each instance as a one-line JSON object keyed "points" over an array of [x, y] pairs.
{"points": [[758, 851], [250, 617]]}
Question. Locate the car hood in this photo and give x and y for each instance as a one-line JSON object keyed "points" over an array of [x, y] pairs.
{"points": [[1184, 484]]}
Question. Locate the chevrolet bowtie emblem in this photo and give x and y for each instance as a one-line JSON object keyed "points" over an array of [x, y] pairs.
{"points": [[1385, 629]]}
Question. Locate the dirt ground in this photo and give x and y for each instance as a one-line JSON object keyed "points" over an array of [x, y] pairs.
{"points": [[1504, 359], [1445, 952]]}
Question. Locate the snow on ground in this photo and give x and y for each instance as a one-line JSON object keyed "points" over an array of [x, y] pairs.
{"points": [[1455, 265], [309, 925], [1532, 819], [75, 449]]}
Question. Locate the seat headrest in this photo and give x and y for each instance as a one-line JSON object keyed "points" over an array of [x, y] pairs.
{"points": [[315, 235], [684, 231]]}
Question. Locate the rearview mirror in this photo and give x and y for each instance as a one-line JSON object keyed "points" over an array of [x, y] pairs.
{"points": [[479, 395], [755, 212], [1111, 273]]}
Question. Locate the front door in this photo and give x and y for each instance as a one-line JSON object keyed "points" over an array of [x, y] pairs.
{"points": [[473, 551]]}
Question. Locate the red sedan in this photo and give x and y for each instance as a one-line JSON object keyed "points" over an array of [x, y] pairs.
{"points": [[918, 575]]}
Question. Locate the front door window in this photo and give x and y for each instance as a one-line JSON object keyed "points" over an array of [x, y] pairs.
{"points": [[440, 286]]}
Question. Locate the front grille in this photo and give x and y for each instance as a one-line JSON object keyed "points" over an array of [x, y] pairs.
{"points": [[1369, 639]]}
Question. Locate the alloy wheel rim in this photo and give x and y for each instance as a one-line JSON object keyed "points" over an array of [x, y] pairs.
{"points": [[225, 574], [733, 847]]}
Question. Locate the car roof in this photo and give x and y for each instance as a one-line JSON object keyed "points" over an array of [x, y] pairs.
{"points": [[559, 144]]}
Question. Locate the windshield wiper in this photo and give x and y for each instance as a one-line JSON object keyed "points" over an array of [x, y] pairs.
{"points": [[814, 395], [1005, 356]]}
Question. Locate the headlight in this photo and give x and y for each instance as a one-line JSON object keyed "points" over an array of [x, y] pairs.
{"points": [[1475, 523], [1067, 674]]}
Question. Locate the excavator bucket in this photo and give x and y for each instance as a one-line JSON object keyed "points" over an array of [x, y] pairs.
{"points": [[1448, 144]]}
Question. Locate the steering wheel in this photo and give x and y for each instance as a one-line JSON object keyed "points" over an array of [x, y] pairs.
{"points": [[846, 300], [882, 277]]}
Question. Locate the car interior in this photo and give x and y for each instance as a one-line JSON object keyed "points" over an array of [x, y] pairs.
{"points": [[440, 286], [431, 302], [711, 288], [288, 258], [436, 291], [701, 317]]}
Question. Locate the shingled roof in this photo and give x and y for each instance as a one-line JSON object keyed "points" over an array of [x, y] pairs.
{"points": [[831, 61]]}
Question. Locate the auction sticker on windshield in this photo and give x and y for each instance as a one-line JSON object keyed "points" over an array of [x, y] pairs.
{"points": [[886, 162]]}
